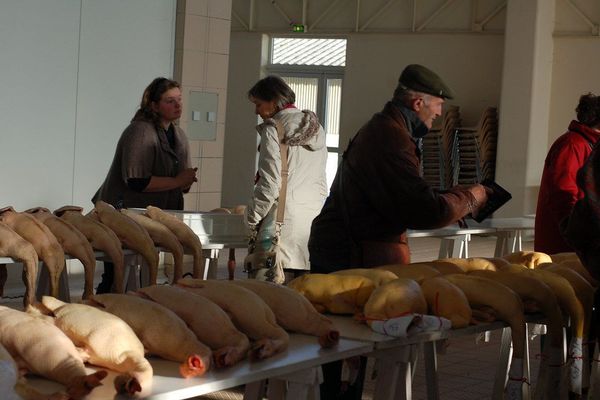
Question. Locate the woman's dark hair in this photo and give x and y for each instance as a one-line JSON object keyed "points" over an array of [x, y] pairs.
{"points": [[273, 88], [152, 94], [588, 110]]}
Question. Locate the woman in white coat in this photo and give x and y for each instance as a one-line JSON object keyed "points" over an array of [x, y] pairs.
{"points": [[306, 185]]}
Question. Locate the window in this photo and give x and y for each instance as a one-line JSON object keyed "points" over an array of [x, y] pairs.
{"points": [[314, 69], [317, 52]]}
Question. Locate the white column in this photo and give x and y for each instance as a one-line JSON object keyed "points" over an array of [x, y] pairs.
{"points": [[525, 102]]}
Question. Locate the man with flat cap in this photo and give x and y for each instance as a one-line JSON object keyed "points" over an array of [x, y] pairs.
{"points": [[378, 193]]}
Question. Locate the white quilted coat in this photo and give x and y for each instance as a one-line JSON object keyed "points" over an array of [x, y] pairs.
{"points": [[306, 188]]}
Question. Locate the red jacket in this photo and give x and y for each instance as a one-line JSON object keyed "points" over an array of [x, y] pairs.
{"points": [[558, 189]]}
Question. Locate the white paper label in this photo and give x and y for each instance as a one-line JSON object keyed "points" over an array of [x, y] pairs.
{"points": [[410, 325]]}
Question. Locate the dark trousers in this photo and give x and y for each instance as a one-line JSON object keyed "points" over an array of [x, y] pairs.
{"points": [[291, 274], [108, 277], [333, 387]]}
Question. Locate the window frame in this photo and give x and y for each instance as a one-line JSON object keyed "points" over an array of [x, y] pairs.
{"points": [[322, 73]]}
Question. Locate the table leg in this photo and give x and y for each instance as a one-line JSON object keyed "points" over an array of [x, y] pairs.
{"points": [[387, 377], [503, 243], [594, 390], [130, 273], [431, 377], [231, 264], [43, 283], [394, 373], [211, 263], [503, 365], [466, 245], [301, 385], [405, 374], [277, 389], [144, 273], [526, 372], [254, 390], [454, 246]]}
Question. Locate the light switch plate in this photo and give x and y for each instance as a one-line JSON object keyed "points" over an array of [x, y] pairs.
{"points": [[202, 125]]}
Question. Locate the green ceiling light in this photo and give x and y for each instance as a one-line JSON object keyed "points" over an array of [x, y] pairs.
{"points": [[297, 28]]}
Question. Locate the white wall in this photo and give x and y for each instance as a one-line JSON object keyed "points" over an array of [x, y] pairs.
{"points": [[39, 49], [73, 72], [575, 72], [246, 56], [123, 46]]}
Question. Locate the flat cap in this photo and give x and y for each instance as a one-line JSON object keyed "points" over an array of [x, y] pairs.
{"points": [[421, 79]]}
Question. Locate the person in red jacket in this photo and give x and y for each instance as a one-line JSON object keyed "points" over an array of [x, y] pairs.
{"points": [[558, 189]]}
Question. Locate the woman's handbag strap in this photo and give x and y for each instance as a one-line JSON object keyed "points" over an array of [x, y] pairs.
{"points": [[283, 149]]}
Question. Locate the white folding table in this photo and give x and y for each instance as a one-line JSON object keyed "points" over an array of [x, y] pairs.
{"points": [[303, 354], [509, 232], [395, 357], [454, 240]]}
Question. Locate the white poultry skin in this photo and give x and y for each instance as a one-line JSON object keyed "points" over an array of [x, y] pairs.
{"points": [[206, 319], [293, 311], [9, 375], [100, 237], [41, 348], [107, 341], [44, 242], [14, 246], [249, 313], [180, 344], [15, 387]]}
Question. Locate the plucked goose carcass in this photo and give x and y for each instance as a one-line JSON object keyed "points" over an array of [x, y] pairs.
{"points": [[249, 313], [44, 242], [293, 311], [509, 308], [15, 387], [190, 241], [206, 319], [161, 331], [337, 294], [100, 236], [131, 234], [73, 243], [162, 236], [107, 340], [14, 246], [42, 349]]}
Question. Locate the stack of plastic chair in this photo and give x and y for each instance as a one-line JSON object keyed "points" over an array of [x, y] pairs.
{"points": [[477, 149], [488, 139], [439, 151]]}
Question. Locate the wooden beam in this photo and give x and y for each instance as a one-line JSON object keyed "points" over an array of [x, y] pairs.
{"points": [[435, 14], [239, 19], [377, 14], [331, 5]]}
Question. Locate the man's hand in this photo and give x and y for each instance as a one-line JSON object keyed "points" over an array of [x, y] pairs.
{"points": [[480, 196]]}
